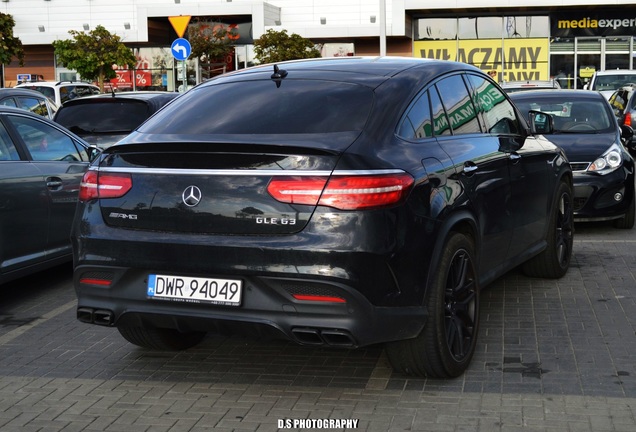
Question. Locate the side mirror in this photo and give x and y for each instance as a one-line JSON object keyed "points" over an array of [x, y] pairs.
{"points": [[93, 152], [540, 122]]}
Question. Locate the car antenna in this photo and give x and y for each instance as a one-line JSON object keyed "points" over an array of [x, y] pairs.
{"points": [[278, 75]]}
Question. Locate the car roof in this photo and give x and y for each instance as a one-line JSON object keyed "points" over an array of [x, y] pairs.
{"points": [[56, 84], [155, 99], [355, 69], [616, 72], [13, 91], [531, 83], [564, 94]]}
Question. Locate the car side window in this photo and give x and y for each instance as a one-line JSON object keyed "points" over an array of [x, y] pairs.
{"points": [[618, 101], [9, 102], [67, 93], [8, 151], [458, 105], [498, 112], [37, 106], [44, 142], [85, 91], [418, 123], [441, 125]]}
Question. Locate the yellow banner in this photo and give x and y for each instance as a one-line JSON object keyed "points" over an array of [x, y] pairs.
{"points": [[513, 59]]}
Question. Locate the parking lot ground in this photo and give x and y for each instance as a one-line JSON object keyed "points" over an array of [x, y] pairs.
{"points": [[553, 355]]}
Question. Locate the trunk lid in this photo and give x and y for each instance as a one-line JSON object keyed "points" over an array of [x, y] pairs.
{"points": [[192, 189]]}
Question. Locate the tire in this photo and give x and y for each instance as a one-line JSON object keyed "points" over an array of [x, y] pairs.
{"points": [[161, 339], [554, 261], [627, 221], [447, 343]]}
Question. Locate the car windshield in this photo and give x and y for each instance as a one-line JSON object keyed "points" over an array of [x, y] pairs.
{"points": [[101, 118], [584, 115], [613, 82], [46, 91], [292, 107]]}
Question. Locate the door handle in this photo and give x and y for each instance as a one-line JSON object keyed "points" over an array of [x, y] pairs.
{"points": [[470, 168], [54, 183]]}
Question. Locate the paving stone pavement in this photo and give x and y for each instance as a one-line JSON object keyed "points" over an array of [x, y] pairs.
{"points": [[553, 355]]}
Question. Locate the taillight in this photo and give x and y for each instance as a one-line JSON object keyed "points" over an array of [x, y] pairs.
{"points": [[344, 192], [297, 190], [104, 185], [628, 119]]}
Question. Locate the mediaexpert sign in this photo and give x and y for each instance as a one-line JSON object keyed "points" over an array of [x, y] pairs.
{"points": [[514, 59], [592, 23]]}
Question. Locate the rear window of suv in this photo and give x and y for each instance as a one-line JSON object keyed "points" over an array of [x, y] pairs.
{"points": [[108, 117], [293, 107]]}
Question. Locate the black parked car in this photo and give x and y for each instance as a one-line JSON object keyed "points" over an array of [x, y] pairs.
{"points": [[593, 142], [334, 202], [623, 103], [104, 119], [41, 166]]}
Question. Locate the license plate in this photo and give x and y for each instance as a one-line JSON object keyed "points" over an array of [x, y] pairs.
{"points": [[225, 292]]}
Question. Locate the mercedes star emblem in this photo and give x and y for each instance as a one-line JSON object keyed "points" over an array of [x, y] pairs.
{"points": [[191, 196]]}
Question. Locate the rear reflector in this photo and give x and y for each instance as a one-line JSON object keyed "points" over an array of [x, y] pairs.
{"points": [[344, 192], [104, 185], [92, 281], [319, 298]]}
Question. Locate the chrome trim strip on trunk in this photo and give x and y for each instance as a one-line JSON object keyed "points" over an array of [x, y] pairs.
{"points": [[245, 172]]}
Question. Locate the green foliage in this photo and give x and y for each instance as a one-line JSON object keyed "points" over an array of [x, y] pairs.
{"points": [[210, 41], [93, 54], [276, 46], [10, 46]]}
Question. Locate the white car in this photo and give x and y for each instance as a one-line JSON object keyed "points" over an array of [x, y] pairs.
{"points": [[62, 91], [608, 81]]}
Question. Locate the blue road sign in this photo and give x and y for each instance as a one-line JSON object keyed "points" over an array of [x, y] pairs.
{"points": [[181, 49]]}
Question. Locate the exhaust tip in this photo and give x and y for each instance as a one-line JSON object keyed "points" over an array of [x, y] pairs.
{"points": [[100, 316], [103, 317], [316, 337], [85, 315], [338, 338], [307, 336]]}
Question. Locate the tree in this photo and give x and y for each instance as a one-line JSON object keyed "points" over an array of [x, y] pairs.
{"points": [[10, 46], [93, 54], [276, 46], [211, 42]]}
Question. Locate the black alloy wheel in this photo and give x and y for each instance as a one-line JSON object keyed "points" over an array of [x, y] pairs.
{"points": [[461, 306], [554, 261], [447, 343]]}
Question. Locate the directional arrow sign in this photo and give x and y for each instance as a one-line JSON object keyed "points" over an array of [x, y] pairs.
{"points": [[181, 49]]}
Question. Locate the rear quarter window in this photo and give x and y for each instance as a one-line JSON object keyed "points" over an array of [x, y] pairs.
{"points": [[262, 107]]}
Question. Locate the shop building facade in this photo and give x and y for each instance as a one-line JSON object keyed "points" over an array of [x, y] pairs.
{"points": [[521, 40]]}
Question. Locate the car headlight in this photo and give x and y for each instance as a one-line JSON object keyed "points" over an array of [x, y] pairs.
{"points": [[608, 162]]}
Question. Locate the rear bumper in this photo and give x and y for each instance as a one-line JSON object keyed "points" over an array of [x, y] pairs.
{"points": [[267, 308]]}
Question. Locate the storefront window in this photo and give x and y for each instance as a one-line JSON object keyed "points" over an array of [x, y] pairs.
{"points": [[516, 47], [589, 41]]}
